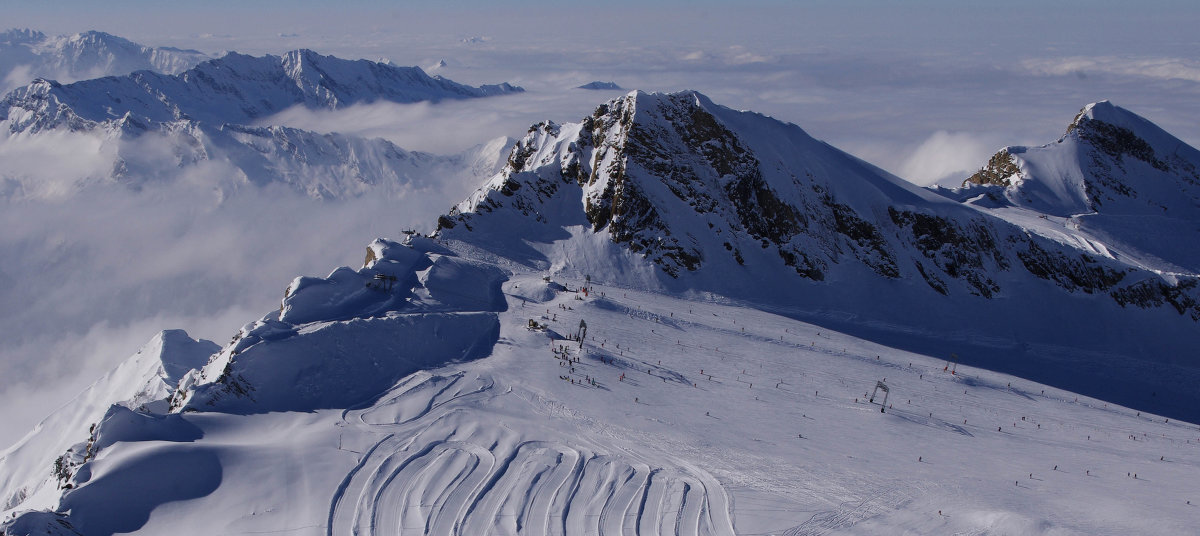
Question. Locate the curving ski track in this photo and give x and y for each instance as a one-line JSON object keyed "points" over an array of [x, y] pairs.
{"points": [[437, 472]]}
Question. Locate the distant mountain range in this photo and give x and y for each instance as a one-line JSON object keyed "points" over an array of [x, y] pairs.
{"points": [[28, 54], [600, 85], [204, 113], [234, 89]]}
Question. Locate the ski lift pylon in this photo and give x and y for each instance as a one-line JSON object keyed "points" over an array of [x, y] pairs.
{"points": [[880, 386]]}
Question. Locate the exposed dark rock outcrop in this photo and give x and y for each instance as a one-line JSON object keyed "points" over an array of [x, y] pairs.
{"points": [[1000, 167]]}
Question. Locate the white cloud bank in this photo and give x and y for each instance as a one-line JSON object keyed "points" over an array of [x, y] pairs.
{"points": [[1160, 68], [946, 158], [450, 126], [92, 267]]}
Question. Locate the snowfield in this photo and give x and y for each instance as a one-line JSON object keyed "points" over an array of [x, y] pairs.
{"points": [[702, 419]]}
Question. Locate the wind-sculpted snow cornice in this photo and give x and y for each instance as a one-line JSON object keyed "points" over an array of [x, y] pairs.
{"points": [[340, 340]]}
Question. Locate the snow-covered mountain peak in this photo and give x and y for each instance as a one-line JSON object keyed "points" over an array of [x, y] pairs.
{"points": [[1107, 112], [93, 41], [329, 78], [294, 60], [688, 183], [109, 54], [1101, 136], [600, 85], [27, 54], [178, 353], [307, 65], [663, 109], [1121, 133], [1114, 175]]}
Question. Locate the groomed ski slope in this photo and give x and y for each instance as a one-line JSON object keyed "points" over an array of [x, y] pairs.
{"points": [[727, 420]]}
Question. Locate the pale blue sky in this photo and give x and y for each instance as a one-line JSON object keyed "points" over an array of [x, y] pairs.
{"points": [[954, 26]]}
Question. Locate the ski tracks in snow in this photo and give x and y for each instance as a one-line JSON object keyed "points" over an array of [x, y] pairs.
{"points": [[438, 472], [851, 513]]}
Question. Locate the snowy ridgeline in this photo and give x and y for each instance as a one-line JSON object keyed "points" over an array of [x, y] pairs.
{"points": [[672, 417], [232, 89]]}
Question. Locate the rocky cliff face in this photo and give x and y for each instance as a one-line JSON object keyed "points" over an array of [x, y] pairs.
{"points": [[999, 170]]}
